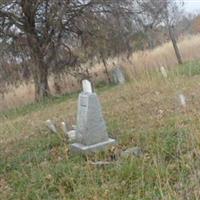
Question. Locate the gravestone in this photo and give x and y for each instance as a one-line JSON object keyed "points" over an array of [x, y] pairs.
{"points": [[163, 72], [182, 100], [91, 131], [51, 126], [118, 76]]}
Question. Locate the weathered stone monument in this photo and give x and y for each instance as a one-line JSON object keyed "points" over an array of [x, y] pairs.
{"points": [[118, 76], [91, 131]]}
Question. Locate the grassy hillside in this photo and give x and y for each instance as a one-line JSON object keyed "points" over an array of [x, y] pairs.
{"points": [[145, 112]]}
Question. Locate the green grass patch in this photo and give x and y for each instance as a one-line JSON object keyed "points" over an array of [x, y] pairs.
{"points": [[189, 69], [35, 164]]}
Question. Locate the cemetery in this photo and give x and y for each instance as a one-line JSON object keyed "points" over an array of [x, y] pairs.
{"points": [[99, 100], [99, 144]]}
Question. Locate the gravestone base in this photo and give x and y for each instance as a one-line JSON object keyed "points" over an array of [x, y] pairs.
{"points": [[84, 149]]}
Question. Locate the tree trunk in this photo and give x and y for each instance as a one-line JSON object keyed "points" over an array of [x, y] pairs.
{"points": [[57, 82], [41, 82], [106, 69], [39, 69], [36, 46], [174, 42]]}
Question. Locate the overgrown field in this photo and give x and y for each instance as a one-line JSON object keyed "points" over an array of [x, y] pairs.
{"points": [[139, 63], [145, 112]]}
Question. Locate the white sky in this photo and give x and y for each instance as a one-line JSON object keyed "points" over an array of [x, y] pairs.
{"points": [[192, 6]]}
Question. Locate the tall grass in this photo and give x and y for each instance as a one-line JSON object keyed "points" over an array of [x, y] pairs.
{"points": [[145, 112], [35, 164], [139, 62]]}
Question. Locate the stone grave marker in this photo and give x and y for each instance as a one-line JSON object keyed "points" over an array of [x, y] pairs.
{"points": [[91, 131], [51, 126], [182, 100], [118, 76], [163, 72]]}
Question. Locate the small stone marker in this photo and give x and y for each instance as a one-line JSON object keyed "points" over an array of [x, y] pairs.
{"points": [[163, 72], [182, 100], [118, 76], [91, 131], [135, 151], [71, 135], [64, 127], [51, 126]]}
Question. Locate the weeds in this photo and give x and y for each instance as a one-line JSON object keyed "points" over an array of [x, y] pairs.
{"points": [[35, 164]]}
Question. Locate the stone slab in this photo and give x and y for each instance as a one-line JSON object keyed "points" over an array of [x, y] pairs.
{"points": [[84, 149], [118, 76], [91, 127]]}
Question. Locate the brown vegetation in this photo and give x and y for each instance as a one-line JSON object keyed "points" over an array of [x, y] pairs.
{"points": [[138, 62]]}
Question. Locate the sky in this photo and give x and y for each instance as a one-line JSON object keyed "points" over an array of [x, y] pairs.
{"points": [[192, 6]]}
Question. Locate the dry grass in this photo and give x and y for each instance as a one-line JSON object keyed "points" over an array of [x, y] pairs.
{"points": [[162, 56], [142, 61], [24, 94], [146, 113]]}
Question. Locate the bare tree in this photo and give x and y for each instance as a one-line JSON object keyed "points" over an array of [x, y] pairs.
{"points": [[172, 15], [46, 32], [159, 13], [118, 31], [149, 17]]}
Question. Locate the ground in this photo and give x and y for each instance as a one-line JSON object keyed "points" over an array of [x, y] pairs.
{"points": [[145, 112]]}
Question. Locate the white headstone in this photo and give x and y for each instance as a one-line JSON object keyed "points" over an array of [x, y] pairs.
{"points": [[182, 100], [163, 72], [87, 87], [91, 131]]}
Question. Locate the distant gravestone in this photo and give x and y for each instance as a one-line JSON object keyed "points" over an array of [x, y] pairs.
{"points": [[182, 100], [118, 76], [91, 131], [163, 72], [87, 87]]}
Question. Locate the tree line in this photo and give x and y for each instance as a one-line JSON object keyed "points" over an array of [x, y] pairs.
{"points": [[43, 37]]}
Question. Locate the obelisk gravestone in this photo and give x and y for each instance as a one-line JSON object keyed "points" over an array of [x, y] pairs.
{"points": [[91, 131]]}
